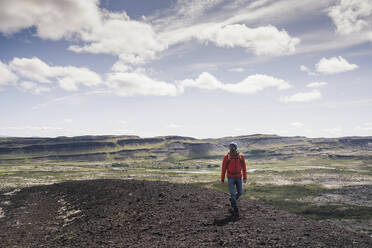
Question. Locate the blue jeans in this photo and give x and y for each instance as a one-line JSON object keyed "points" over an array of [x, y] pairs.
{"points": [[235, 188]]}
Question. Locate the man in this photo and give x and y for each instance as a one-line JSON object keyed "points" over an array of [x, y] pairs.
{"points": [[234, 164]]}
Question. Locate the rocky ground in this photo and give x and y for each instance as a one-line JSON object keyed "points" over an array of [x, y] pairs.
{"points": [[130, 213]]}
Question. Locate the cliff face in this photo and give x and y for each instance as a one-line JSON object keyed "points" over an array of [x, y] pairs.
{"points": [[120, 148]]}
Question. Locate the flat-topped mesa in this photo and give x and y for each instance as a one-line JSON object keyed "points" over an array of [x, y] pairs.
{"points": [[120, 148]]}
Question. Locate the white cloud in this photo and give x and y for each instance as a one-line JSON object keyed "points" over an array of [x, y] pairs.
{"points": [[182, 13], [96, 30], [68, 77], [135, 83], [33, 69], [6, 76], [307, 70], [316, 84], [297, 124], [54, 20], [33, 87], [302, 97], [249, 85], [203, 81], [121, 66], [334, 65], [238, 69], [351, 16], [135, 43], [194, 8], [67, 83], [265, 40], [255, 83]]}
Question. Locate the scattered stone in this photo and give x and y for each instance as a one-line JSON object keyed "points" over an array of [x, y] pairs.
{"points": [[12, 192], [2, 214], [100, 213]]}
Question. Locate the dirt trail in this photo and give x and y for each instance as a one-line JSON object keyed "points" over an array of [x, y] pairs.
{"points": [[129, 213]]}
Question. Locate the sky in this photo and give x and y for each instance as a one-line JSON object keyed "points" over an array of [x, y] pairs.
{"points": [[199, 68]]}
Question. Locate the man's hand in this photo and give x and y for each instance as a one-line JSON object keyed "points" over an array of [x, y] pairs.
{"points": [[245, 180]]}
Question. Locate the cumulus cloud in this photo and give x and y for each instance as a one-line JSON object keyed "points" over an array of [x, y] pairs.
{"points": [[255, 83], [33, 69], [134, 43], [334, 65], [302, 97], [307, 70], [249, 85], [68, 77], [203, 81], [6, 76], [54, 20], [135, 83], [316, 84], [121, 66], [33, 87], [351, 16], [96, 30], [265, 40]]}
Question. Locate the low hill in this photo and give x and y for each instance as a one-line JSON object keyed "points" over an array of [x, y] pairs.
{"points": [[116, 149], [130, 213]]}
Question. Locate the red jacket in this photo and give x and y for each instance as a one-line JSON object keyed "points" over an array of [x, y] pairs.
{"points": [[234, 166]]}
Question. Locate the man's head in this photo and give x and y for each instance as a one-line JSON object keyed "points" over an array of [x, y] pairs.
{"points": [[233, 147]]}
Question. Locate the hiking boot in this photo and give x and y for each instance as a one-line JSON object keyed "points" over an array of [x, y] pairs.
{"points": [[231, 211], [236, 213]]}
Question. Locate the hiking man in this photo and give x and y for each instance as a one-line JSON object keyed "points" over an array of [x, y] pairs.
{"points": [[234, 163]]}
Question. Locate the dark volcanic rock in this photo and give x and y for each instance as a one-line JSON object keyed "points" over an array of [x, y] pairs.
{"points": [[119, 213]]}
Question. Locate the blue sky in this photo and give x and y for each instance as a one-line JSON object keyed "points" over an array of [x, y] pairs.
{"points": [[209, 68]]}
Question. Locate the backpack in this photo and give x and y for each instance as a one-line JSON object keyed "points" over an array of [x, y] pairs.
{"points": [[229, 158]]}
